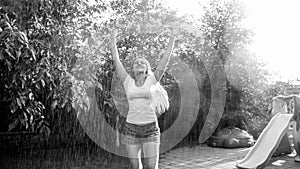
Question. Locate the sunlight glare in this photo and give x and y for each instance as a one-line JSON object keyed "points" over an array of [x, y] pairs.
{"points": [[276, 28]]}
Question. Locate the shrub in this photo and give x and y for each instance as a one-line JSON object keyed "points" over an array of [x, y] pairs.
{"points": [[22, 76]]}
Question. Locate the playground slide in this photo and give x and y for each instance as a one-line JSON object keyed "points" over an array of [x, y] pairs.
{"points": [[267, 143]]}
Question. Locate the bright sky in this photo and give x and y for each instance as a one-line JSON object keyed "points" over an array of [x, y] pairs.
{"points": [[276, 25]]}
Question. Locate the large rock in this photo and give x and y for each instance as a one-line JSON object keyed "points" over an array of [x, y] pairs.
{"points": [[231, 138]]}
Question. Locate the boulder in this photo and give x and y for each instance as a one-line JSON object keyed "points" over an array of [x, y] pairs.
{"points": [[231, 137]]}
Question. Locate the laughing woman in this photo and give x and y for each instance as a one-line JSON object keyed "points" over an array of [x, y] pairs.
{"points": [[141, 130]]}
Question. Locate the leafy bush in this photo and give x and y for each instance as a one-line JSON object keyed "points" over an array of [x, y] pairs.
{"points": [[54, 51], [21, 77]]}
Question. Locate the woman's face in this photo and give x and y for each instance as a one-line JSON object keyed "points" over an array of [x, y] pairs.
{"points": [[139, 65]]}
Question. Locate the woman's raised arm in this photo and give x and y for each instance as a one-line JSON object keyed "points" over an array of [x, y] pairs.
{"points": [[118, 65], [165, 60]]}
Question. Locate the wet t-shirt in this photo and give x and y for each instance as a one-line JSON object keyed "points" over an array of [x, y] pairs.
{"points": [[139, 100]]}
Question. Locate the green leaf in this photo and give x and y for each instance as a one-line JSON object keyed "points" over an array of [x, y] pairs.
{"points": [[54, 104], [99, 85], [26, 124], [48, 74], [19, 102], [6, 18], [13, 106], [31, 119], [9, 54], [23, 101], [25, 116], [18, 53], [39, 125], [28, 110], [63, 103], [41, 105], [37, 85], [14, 78], [13, 124], [23, 37], [23, 83], [42, 82], [31, 97], [8, 65], [4, 34], [5, 25], [32, 54]]}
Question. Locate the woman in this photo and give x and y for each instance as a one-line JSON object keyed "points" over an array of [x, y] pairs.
{"points": [[141, 131]]}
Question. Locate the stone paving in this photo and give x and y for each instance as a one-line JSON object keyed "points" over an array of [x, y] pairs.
{"points": [[205, 157]]}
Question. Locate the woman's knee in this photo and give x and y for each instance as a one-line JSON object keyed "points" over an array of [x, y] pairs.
{"points": [[151, 163], [135, 164]]}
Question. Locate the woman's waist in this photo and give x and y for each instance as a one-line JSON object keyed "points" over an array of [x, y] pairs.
{"points": [[143, 124], [141, 118]]}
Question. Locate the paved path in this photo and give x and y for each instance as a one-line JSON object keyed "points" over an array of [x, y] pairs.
{"points": [[205, 157]]}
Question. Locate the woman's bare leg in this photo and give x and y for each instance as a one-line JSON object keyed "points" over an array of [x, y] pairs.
{"points": [[151, 155], [134, 154]]}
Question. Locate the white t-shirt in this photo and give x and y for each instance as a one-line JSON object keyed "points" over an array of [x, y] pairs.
{"points": [[139, 100]]}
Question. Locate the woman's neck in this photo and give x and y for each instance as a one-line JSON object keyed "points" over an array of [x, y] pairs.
{"points": [[140, 78]]}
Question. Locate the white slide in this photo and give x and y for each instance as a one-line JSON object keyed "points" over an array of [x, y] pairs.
{"points": [[267, 143]]}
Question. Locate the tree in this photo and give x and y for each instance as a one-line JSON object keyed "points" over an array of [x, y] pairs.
{"points": [[245, 73], [39, 41], [68, 40]]}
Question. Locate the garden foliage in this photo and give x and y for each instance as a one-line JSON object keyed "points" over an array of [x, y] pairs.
{"points": [[54, 53]]}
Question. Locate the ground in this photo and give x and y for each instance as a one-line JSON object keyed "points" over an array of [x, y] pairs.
{"points": [[200, 156]]}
